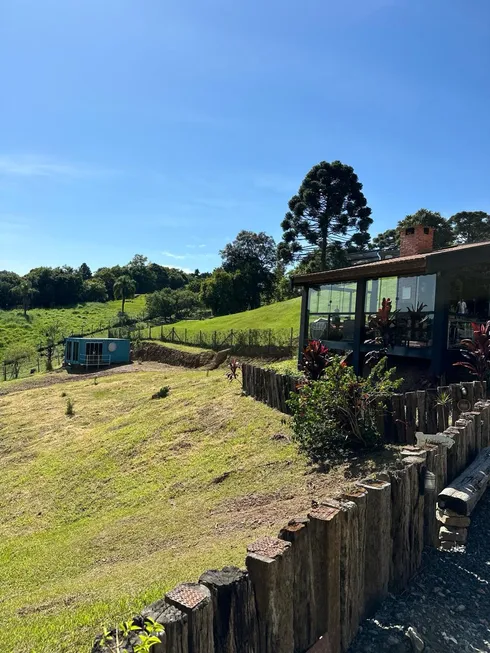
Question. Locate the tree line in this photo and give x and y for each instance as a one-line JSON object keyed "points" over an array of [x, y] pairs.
{"points": [[327, 220]]}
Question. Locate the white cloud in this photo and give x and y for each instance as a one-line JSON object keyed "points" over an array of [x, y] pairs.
{"points": [[201, 245], [170, 255], [33, 166]]}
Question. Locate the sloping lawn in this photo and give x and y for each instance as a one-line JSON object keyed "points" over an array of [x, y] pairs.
{"points": [[281, 315], [104, 511]]}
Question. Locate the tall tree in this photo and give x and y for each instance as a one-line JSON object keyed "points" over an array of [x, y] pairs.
{"points": [[124, 288], [218, 292], [161, 303], [443, 236], [144, 275], [253, 255], [329, 207], [386, 240], [470, 226], [85, 272], [25, 292]]}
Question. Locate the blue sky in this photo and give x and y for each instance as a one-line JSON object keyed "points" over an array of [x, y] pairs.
{"points": [[163, 128]]}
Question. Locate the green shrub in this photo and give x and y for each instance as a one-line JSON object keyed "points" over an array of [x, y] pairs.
{"points": [[117, 640], [162, 393], [70, 410], [338, 412]]}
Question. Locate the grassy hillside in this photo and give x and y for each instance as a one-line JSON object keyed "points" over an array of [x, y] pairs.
{"points": [[15, 328], [282, 315], [103, 512]]}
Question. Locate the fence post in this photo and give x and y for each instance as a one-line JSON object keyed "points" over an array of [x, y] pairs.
{"points": [[149, 332], [231, 337], [38, 363], [250, 337], [4, 371], [270, 338], [161, 332], [200, 337], [173, 334], [291, 339]]}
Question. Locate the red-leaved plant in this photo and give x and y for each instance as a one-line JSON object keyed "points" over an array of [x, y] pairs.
{"points": [[382, 323], [476, 352], [314, 360], [234, 367]]}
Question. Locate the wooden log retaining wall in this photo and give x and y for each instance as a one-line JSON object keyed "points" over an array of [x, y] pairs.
{"points": [[405, 414], [308, 589]]}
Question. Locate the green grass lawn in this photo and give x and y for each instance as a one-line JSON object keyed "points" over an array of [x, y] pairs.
{"points": [[103, 512], [15, 328], [282, 315]]}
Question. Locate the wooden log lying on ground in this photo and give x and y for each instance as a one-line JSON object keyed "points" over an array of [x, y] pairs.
{"points": [[235, 618], [270, 565], [462, 495]]}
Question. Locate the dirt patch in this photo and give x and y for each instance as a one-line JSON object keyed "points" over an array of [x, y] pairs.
{"points": [[50, 606], [148, 351]]}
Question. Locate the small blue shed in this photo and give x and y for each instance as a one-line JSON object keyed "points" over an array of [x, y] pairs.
{"points": [[96, 351]]}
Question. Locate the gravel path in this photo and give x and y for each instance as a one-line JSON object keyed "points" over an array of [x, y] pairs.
{"points": [[447, 603]]}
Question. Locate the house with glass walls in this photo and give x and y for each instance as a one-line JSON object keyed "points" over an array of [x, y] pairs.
{"points": [[432, 298]]}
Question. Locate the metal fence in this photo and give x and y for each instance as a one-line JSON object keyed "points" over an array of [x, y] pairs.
{"points": [[236, 339]]}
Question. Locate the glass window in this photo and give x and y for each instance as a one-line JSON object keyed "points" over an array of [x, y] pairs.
{"points": [[68, 350], [75, 351], [377, 289], [405, 292], [331, 298]]}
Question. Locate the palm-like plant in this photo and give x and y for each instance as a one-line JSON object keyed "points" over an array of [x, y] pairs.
{"points": [[25, 292], [124, 288], [476, 352]]}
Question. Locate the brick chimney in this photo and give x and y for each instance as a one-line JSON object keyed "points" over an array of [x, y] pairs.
{"points": [[416, 240]]}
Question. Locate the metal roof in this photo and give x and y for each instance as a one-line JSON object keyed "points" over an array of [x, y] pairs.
{"points": [[444, 259]]}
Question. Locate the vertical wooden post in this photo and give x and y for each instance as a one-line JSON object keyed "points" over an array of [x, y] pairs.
{"points": [[357, 356], [195, 600], [410, 415], [378, 543], [297, 532], [270, 565], [176, 626], [431, 406], [422, 410], [325, 552], [303, 324], [235, 616]]}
